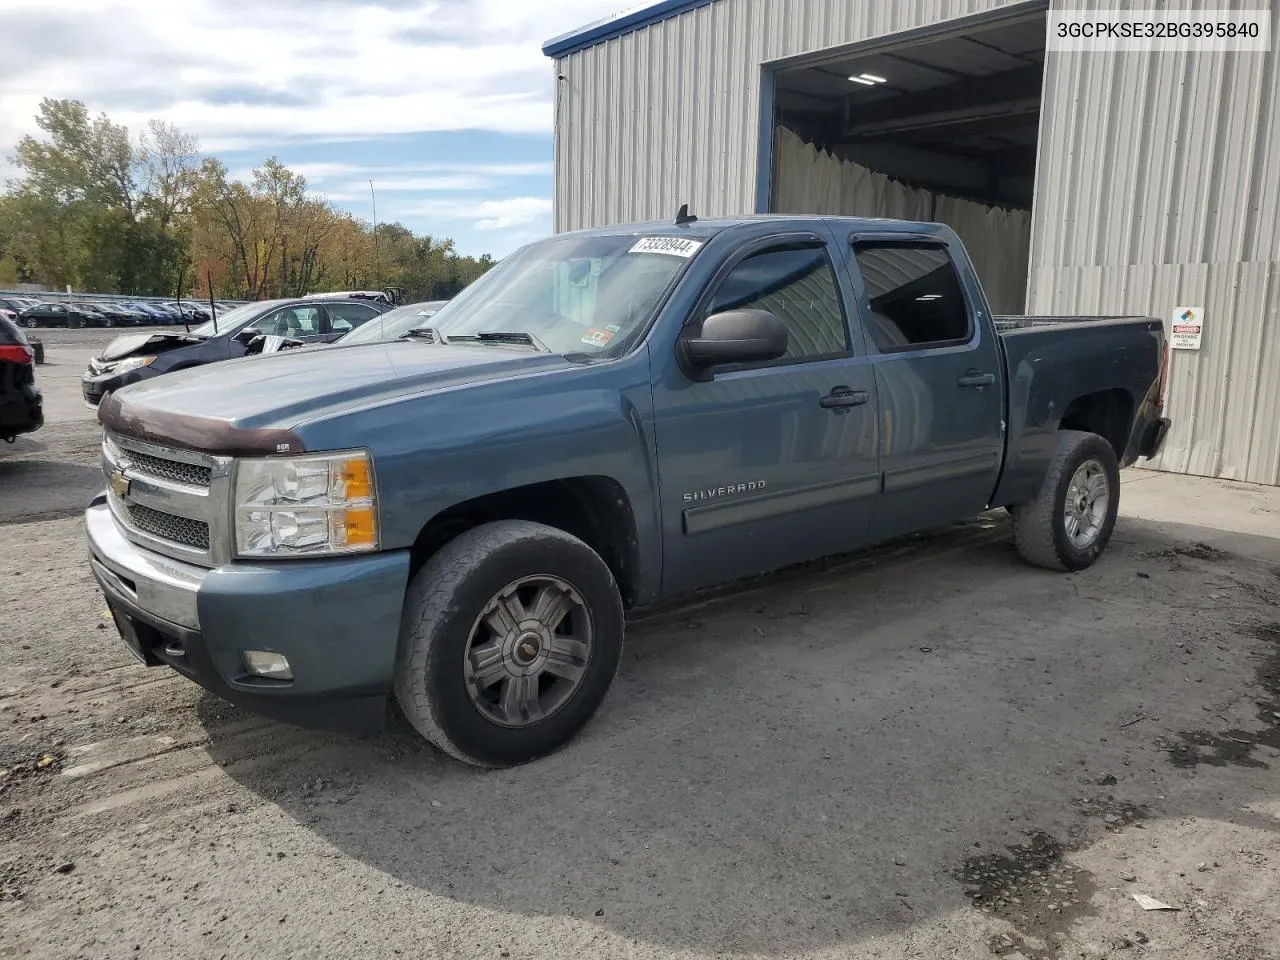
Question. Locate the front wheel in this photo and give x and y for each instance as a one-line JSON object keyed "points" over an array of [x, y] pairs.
{"points": [[511, 637], [1068, 524]]}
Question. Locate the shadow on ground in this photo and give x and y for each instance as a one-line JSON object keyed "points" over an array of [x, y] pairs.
{"points": [[832, 755]]}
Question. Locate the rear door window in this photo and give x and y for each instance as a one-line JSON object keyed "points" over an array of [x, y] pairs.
{"points": [[345, 317], [914, 296]]}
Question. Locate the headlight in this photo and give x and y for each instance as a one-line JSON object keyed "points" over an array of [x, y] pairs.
{"points": [[130, 363], [306, 506]]}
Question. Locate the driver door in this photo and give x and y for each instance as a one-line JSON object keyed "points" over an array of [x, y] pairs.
{"points": [[769, 464]]}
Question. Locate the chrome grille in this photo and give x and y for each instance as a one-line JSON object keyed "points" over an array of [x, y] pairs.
{"points": [[169, 500], [175, 470], [166, 526]]}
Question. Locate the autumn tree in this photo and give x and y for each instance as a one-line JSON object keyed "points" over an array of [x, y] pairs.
{"points": [[99, 209]]}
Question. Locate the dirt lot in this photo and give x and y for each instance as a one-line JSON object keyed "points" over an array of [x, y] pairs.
{"points": [[931, 751]]}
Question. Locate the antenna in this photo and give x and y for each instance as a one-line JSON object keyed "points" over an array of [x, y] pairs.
{"points": [[683, 216]]}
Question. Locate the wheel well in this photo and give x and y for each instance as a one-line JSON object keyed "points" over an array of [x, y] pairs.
{"points": [[1108, 413], [596, 510]]}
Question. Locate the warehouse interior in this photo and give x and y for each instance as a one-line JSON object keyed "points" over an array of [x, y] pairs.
{"points": [[941, 127]]}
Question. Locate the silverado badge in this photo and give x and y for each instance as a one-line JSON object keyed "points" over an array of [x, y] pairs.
{"points": [[119, 483]]}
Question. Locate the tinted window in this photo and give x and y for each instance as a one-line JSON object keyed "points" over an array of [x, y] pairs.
{"points": [[10, 334], [914, 294], [344, 317], [798, 285]]}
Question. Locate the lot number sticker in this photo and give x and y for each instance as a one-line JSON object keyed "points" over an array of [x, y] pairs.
{"points": [[672, 246], [1187, 328]]}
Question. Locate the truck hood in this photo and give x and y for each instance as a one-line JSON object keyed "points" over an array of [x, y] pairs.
{"points": [[286, 389], [147, 343]]}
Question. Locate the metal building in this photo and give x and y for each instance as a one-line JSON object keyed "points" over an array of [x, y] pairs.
{"points": [[1082, 182]]}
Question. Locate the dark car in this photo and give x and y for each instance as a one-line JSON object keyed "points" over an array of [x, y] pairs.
{"points": [[59, 315], [16, 305], [21, 407], [154, 313], [113, 314], [236, 333]]}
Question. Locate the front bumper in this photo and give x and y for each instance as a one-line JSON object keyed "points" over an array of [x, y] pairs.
{"points": [[336, 620]]}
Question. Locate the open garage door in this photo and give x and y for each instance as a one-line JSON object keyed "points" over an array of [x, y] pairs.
{"points": [[941, 128]]}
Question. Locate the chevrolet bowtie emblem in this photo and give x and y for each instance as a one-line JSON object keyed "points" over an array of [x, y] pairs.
{"points": [[119, 483]]}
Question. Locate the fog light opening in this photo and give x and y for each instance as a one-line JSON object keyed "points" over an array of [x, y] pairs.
{"points": [[263, 663]]}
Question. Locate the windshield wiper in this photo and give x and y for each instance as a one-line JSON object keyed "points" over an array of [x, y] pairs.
{"points": [[432, 335]]}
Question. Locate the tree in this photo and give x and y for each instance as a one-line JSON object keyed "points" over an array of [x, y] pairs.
{"points": [[97, 209]]}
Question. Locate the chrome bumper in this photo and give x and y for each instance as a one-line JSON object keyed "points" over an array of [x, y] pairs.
{"points": [[164, 587]]}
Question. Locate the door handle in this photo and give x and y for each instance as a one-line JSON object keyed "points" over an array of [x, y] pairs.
{"points": [[844, 397], [975, 379]]}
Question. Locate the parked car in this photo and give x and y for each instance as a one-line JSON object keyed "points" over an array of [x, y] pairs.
{"points": [[131, 358], [16, 305], [188, 310], [152, 312], [21, 406], [604, 420], [118, 314], [58, 315]]}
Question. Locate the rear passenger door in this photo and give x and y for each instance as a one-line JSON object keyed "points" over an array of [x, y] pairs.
{"points": [[938, 377]]}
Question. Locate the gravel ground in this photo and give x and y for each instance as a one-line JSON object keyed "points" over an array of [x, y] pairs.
{"points": [[926, 751]]}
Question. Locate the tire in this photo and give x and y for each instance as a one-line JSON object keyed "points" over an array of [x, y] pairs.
{"points": [[445, 630], [1042, 529]]}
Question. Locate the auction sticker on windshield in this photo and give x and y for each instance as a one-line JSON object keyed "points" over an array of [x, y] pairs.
{"points": [[672, 246]]}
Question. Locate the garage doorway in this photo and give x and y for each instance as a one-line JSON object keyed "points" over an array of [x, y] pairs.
{"points": [[943, 127]]}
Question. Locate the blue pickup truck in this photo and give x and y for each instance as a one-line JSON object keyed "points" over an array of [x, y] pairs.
{"points": [[462, 516]]}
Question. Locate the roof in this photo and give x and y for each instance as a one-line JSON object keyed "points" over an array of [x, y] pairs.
{"points": [[713, 226], [626, 22]]}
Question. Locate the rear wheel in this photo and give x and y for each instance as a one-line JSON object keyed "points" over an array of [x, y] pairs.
{"points": [[1070, 522], [511, 637]]}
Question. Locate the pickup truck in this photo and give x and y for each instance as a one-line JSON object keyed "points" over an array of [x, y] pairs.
{"points": [[462, 517]]}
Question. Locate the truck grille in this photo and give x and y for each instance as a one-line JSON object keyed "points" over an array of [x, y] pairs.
{"points": [[166, 526], [189, 473], [167, 499]]}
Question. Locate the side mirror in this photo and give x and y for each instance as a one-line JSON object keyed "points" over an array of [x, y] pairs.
{"points": [[736, 336]]}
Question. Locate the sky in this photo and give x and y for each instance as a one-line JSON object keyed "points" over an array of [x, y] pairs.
{"points": [[445, 104]]}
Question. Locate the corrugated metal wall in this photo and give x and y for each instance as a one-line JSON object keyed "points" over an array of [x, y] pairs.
{"points": [[670, 113], [1158, 184]]}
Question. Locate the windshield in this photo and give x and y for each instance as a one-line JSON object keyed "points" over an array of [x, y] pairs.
{"points": [[589, 296], [234, 318], [394, 323]]}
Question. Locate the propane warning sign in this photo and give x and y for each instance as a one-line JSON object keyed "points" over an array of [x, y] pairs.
{"points": [[1187, 328]]}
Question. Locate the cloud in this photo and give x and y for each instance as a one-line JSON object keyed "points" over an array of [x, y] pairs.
{"points": [[251, 74], [499, 214]]}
